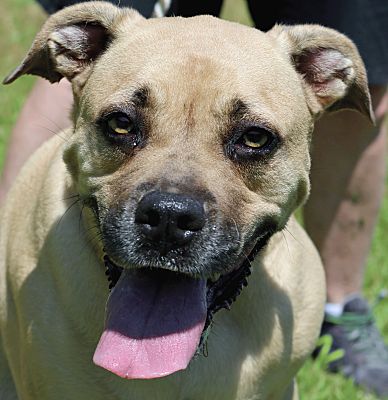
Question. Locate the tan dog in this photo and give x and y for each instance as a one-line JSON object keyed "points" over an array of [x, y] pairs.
{"points": [[188, 154]]}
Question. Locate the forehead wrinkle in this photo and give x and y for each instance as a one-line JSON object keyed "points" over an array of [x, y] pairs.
{"points": [[239, 109], [192, 97], [138, 97]]}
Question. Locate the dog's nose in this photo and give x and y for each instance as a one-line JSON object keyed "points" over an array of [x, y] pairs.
{"points": [[170, 219]]}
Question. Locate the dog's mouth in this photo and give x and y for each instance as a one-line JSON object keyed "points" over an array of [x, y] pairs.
{"points": [[157, 320]]}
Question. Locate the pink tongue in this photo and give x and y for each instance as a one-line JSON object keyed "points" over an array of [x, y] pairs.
{"points": [[154, 321]]}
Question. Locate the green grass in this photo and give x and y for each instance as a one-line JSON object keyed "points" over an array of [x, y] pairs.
{"points": [[20, 19]]}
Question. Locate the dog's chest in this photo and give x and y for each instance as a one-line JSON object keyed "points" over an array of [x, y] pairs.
{"points": [[227, 373], [189, 385]]}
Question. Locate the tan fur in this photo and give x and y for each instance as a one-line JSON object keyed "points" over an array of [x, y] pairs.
{"points": [[52, 284]]}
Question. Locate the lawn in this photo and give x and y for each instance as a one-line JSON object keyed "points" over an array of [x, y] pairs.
{"points": [[20, 19]]}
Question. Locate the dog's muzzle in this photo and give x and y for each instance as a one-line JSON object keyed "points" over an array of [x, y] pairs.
{"points": [[160, 310]]}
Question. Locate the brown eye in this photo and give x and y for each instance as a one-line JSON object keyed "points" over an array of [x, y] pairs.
{"points": [[253, 143], [122, 130], [120, 124], [256, 140]]}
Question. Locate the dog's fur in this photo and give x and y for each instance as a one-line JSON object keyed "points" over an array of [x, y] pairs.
{"points": [[195, 83]]}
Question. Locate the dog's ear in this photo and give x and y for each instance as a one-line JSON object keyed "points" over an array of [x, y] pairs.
{"points": [[331, 68], [71, 40]]}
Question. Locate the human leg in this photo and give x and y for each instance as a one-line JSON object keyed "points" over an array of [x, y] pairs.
{"points": [[348, 173], [45, 112], [341, 223]]}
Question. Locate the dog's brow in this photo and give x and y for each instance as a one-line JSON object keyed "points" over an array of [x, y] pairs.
{"points": [[237, 109], [141, 96]]}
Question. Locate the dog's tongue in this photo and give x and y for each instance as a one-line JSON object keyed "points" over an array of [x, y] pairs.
{"points": [[154, 322]]}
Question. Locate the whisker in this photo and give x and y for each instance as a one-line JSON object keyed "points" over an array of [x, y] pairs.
{"points": [[80, 217], [60, 199], [285, 238], [59, 128], [71, 197], [91, 228], [67, 210], [293, 236], [247, 259], [238, 231], [90, 240], [52, 131]]}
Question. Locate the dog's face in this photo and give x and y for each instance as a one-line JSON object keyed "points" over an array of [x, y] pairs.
{"points": [[191, 136], [191, 147]]}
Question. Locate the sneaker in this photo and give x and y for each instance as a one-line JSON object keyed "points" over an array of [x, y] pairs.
{"points": [[366, 356]]}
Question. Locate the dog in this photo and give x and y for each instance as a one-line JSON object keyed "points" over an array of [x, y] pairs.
{"points": [[176, 186]]}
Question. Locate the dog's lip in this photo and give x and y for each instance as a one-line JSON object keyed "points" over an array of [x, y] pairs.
{"points": [[244, 254], [234, 276], [114, 268]]}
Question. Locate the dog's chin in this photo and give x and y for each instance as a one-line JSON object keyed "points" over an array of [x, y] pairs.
{"points": [[157, 319]]}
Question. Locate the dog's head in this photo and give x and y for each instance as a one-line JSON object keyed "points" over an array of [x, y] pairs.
{"points": [[191, 146]]}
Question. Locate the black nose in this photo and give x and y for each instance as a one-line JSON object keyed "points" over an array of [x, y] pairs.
{"points": [[169, 218]]}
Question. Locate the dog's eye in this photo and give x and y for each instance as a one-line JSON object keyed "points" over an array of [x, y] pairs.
{"points": [[256, 139], [253, 143], [120, 124], [122, 130]]}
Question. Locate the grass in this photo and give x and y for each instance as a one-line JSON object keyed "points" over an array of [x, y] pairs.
{"points": [[26, 15], [314, 382]]}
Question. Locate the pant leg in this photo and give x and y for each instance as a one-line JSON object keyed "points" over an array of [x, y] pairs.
{"points": [[145, 7], [364, 21], [189, 8]]}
